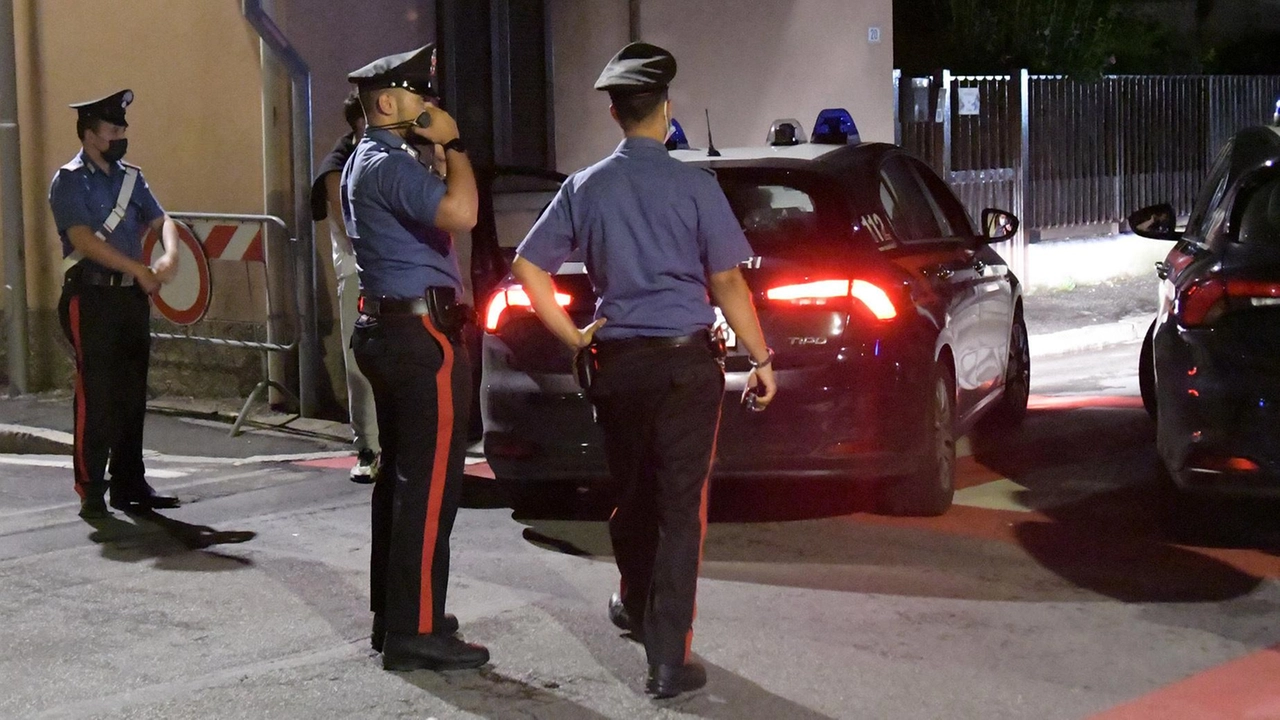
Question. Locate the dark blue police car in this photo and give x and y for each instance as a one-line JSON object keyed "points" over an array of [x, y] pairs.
{"points": [[896, 326], [1210, 365]]}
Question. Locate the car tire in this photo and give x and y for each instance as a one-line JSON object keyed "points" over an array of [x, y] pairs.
{"points": [[929, 491], [1147, 371], [1012, 408]]}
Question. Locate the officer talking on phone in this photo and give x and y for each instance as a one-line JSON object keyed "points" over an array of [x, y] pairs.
{"points": [[659, 237], [408, 343]]}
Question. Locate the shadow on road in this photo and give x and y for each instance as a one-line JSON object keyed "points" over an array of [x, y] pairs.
{"points": [[1098, 526], [175, 545]]}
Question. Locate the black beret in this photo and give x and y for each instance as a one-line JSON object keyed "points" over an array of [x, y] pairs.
{"points": [[414, 71], [110, 108], [638, 67]]}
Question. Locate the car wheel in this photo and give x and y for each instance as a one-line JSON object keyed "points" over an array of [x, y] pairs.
{"points": [[1012, 409], [930, 490], [1147, 371]]}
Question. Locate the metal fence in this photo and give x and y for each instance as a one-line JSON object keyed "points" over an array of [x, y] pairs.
{"points": [[1061, 153]]}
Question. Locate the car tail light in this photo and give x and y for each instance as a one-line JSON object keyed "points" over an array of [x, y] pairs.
{"points": [[513, 298], [1205, 300], [1223, 464], [831, 292]]}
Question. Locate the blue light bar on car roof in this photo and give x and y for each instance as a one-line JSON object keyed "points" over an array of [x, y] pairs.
{"points": [[677, 140], [835, 126]]}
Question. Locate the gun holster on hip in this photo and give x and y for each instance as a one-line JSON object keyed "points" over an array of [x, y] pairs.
{"points": [[586, 365], [447, 314]]}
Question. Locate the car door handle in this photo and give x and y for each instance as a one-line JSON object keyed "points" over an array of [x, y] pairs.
{"points": [[1162, 270]]}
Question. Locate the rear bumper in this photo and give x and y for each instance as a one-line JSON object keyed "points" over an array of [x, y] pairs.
{"points": [[1218, 416], [858, 418]]}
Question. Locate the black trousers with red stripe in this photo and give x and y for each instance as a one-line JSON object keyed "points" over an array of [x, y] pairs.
{"points": [[660, 411], [109, 329], [422, 393]]}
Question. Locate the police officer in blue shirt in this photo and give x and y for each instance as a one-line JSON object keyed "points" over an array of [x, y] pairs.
{"points": [[408, 343], [103, 209], [658, 237]]}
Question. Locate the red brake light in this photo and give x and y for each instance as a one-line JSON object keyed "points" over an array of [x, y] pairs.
{"points": [[826, 292], [1205, 300], [513, 297], [1202, 302]]}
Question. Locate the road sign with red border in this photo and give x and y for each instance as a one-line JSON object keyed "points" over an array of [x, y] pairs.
{"points": [[184, 300]]}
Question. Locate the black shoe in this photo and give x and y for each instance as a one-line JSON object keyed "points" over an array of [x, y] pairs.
{"points": [[448, 626], [145, 499], [668, 681], [621, 619], [431, 652], [94, 507]]}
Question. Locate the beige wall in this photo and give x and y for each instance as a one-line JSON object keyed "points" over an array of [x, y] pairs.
{"points": [[194, 126], [749, 63]]}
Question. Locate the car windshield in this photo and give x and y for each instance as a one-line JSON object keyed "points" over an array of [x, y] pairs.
{"points": [[782, 213], [1260, 219]]}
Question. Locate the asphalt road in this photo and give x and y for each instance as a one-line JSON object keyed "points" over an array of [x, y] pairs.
{"points": [[1058, 587]]}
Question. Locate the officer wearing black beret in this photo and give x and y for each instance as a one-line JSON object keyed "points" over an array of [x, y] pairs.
{"points": [[408, 343], [659, 237], [103, 209]]}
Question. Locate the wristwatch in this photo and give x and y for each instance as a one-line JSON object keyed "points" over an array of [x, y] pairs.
{"points": [[456, 145]]}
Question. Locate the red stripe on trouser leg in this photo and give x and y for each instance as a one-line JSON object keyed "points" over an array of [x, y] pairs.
{"points": [[702, 539], [81, 469], [439, 475]]}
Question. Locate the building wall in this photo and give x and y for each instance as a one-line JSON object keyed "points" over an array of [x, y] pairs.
{"points": [[194, 126], [747, 63]]}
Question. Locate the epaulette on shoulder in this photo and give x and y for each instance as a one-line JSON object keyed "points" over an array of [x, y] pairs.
{"points": [[75, 164], [131, 165]]}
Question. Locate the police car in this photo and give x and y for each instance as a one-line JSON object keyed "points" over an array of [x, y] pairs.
{"points": [[1210, 362], [897, 328]]}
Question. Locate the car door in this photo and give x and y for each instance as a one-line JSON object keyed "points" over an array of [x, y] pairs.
{"points": [[993, 288], [944, 263]]}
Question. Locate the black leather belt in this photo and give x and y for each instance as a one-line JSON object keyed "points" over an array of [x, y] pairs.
{"points": [[394, 306], [613, 348], [89, 276]]}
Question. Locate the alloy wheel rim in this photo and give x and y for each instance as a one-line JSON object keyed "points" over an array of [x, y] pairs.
{"points": [[944, 443]]}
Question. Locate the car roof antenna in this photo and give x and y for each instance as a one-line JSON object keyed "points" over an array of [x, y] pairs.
{"points": [[711, 145]]}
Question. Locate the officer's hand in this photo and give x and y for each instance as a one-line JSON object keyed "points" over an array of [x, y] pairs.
{"points": [[166, 268], [588, 332], [147, 280], [762, 385], [442, 129]]}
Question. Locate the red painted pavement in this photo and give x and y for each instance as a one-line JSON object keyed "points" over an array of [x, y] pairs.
{"points": [[1244, 689]]}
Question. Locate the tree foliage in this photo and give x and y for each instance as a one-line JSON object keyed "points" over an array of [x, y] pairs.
{"points": [[1081, 38]]}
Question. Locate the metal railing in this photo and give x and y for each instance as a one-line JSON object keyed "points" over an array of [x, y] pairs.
{"points": [[1060, 152], [198, 332]]}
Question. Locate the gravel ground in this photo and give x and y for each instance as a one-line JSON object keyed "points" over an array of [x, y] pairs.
{"points": [[1085, 305]]}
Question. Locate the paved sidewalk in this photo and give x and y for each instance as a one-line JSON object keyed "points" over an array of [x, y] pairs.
{"points": [[1090, 317]]}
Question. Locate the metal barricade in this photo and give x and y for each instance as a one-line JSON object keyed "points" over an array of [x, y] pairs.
{"points": [[218, 236]]}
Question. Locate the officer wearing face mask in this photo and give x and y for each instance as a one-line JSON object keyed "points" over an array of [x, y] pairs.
{"points": [[103, 209], [408, 342]]}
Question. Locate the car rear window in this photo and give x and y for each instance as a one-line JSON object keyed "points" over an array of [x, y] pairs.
{"points": [[784, 213], [1260, 219]]}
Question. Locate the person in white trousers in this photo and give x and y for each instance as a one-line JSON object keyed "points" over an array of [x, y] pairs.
{"points": [[325, 203]]}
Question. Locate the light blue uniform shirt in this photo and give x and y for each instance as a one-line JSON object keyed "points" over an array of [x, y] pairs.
{"points": [[82, 194], [389, 202], [653, 231]]}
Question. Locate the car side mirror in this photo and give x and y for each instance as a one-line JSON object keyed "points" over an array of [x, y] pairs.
{"points": [[999, 225], [1158, 222]]}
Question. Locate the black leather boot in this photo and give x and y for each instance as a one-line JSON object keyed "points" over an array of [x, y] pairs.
{"points": [[668, 681], [448, 626], [431, 652]]}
